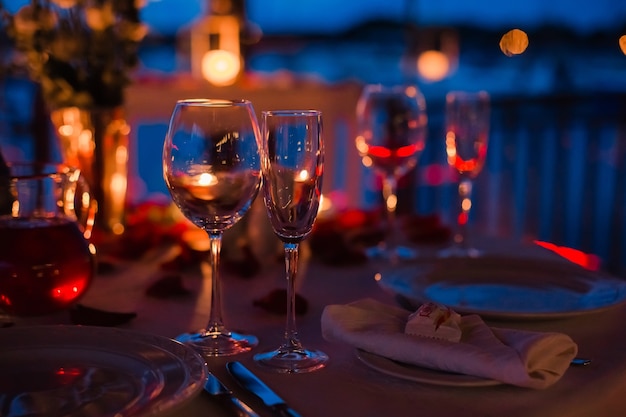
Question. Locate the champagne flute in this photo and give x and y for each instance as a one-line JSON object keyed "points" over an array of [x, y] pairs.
{"points": [[467, 134], [211, 165], [392, 133], [292, 168]]}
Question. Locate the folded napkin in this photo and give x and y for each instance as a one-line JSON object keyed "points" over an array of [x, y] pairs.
{"points": [[516, 357]]}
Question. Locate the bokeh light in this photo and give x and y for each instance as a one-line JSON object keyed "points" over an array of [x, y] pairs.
{"points": [[514, 42], [622, 44]]}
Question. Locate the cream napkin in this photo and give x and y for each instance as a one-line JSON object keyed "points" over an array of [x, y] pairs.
{"points": [[517, 357]]}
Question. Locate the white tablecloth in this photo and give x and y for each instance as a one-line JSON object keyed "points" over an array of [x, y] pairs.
{"points": [[346, 387]]}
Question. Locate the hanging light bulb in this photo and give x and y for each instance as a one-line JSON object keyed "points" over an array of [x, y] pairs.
{"points": [[435, 54], [221, 67], [216, 44]]}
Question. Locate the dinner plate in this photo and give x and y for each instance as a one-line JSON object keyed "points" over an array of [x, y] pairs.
{"points": [[94, 371], [419, 374], [505, 287]]}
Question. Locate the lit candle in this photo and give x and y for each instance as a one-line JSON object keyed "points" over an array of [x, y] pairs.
{"points": [[203, 186]]}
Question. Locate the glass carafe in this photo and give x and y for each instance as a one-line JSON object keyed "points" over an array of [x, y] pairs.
{"points": [[46, 261]]}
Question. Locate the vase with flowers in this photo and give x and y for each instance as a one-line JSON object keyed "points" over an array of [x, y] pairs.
{"points": [[82, 52]]}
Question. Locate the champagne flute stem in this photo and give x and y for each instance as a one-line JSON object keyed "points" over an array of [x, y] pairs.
{"points": [[465, 204], [216, 323], [291, 266], [390, 191]]}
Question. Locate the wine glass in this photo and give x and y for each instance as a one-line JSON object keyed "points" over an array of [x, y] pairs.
{"points": [[46, 218], [467, 135], [293, 157], [211, 165], [392, 124]]}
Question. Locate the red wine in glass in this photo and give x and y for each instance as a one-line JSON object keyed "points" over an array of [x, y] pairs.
{"points": [[391, 136]]}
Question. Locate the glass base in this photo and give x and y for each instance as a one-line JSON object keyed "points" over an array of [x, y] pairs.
{"points": [[398, 253], [219, 344], [292, 361], [459, 251]]}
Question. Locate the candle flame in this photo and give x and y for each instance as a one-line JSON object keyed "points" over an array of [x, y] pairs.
{"points": [[303, 175], [207, 179]]}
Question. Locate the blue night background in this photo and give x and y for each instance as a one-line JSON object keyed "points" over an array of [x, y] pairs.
{"points": [[556, 169]]}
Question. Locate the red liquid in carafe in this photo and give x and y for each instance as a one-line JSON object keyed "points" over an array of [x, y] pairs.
{"points": [[45, 265]]}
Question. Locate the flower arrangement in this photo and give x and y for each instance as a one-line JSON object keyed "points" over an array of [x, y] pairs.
{"points": [[80, 51]]}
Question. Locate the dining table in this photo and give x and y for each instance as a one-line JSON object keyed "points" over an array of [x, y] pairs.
{"points": [[347, 386]]}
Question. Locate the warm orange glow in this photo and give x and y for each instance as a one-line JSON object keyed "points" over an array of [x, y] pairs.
{"points": [[206, 179], [466, 204], [325, 206], [622, 44], [121, 155], [433, 65], [303, 175], [411, 91], [66, 130], [197, 240], [514, 42], [117, 190], [576, 256], [221, 67], [361, 145], [451, 147], [86, 144], [392, 202], [473, 165]]}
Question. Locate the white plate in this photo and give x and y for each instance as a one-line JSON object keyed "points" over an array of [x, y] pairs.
{"points": [[94, 371], [419, 374], [505, 287]]}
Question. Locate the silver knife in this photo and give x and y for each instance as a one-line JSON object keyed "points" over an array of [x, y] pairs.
{"points": [[218, 390], [252, 383]]}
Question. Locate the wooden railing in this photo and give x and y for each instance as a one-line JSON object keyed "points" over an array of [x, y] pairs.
{"points": [[556, 171], [556, 166]]}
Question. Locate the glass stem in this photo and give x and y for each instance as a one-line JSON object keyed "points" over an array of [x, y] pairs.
{"points": [[216, 324], [390, 190], [291, 266], [465, 204]]}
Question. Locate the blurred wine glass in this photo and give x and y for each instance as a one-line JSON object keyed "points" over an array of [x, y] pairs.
{"points": [[467, 135], [46, 218], [392, 124], [211, 165], [293, 158]]}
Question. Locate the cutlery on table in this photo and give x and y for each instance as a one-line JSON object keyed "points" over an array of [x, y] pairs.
{"points": [[219, 391], [581, 361], [253, 384]]}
